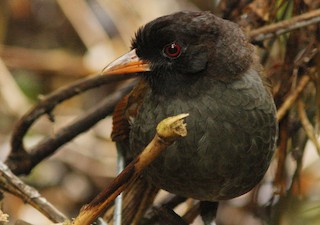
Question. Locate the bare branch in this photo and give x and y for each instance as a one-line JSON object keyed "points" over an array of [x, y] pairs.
{"points": [[14, 185], [290, 100], [168, 131], [307, 126], [20, 161], [285, 26]]}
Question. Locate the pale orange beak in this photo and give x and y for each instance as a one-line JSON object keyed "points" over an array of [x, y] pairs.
{"points": [[127, 63]]}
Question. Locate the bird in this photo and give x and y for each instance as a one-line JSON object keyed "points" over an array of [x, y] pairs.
{"points": [[200, 64]]}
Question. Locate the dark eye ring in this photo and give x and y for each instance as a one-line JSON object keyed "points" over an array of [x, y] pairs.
{"points": [[172, 50]]}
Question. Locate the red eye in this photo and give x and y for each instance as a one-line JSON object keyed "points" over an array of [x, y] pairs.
{"points": [[172, 50]]}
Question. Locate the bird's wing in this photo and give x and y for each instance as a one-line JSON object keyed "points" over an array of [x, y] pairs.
{"points": [[126, 111], [140, 194]]}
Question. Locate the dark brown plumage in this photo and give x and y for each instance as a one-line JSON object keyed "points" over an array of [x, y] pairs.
{"points": [[197, 63]]}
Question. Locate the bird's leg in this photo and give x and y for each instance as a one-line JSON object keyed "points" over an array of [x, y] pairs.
{"points": [[118, 202], [208, 211]]}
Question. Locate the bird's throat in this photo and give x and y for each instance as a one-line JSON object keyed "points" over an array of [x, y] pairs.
{"points": [[173, 84]]}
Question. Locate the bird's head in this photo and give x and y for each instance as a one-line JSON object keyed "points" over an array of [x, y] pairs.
{"points": [[180, 48]]}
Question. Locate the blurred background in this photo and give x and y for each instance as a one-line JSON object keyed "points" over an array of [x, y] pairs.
{"points": [[45, 45]]}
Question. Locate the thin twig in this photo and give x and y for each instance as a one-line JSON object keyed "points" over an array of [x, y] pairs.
{"points": [[30, 195], [290, 100], [285, 26], [307, 126], [168, 131]]}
